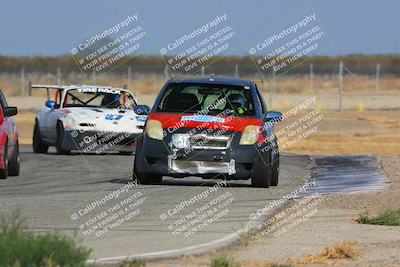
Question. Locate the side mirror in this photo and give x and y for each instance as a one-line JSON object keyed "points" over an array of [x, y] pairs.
{"points": [[51, 104], [273, 116], [142, 109], [10, 111]]}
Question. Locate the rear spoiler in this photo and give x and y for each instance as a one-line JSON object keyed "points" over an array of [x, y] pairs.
{"points": [[45, 86], [61, 87]]}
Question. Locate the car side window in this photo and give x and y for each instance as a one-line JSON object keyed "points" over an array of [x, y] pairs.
{"points": [[260, 102], [3, 101]]}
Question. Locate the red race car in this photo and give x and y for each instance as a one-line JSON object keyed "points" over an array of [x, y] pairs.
{"points": [[9, 148], [211, 127]]}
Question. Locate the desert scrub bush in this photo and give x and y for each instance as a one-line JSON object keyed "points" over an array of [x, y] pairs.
{"points": [[391, 218], [133, 263], [223, 260], [22, 248]]}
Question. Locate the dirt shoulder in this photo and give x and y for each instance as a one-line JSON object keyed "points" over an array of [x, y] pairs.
{"points": [[349, 132], [334, 222]]}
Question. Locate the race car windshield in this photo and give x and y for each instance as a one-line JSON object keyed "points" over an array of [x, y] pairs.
{"points": [[210, 99], [99, 98]]}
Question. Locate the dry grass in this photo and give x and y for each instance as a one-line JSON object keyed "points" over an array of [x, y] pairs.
{"points": [[353, 132], [336, 134], [151, 83], [347, 249], [140, 83]]}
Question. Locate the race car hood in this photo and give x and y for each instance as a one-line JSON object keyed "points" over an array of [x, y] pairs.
{"points": [[226, 123], [102, 117]]}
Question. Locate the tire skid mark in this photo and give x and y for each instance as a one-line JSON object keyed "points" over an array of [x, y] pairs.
{"points": [[338, 174]]}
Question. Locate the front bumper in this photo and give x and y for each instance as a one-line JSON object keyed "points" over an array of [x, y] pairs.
{"points": [[234, 162], [98, 142]]}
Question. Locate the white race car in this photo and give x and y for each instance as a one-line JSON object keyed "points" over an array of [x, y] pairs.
{"points": [[91, 119]]}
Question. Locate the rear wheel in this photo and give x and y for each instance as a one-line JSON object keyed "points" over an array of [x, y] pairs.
{"points": [[143, 177], [14, 164], [39, 146], [60, 139], [261, 174], [4, 172]]}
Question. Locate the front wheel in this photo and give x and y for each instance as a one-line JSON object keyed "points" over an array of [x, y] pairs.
{"points": [[143, 177], [261, 175], [14, 164], [275, 171], [60, 138], [39, 146]]}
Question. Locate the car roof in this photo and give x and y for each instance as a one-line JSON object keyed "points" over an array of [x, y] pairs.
{"points": [[213, 80]]}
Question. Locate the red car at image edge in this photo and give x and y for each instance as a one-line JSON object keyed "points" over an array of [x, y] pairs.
{"points": [[9, 147]]}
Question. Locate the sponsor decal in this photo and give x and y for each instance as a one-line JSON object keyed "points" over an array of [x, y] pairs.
{"points": [[99, 90], [203, 118], [113, 117], [142, 118]]}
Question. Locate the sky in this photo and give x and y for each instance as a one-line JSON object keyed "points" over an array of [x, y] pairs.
{"points": [[48, 27]]}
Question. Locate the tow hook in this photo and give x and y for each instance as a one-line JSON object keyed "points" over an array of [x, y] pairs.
{"points": [[217, 158]]}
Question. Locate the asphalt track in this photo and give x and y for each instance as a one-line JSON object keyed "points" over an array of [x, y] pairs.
{"points": [[90, 197]]}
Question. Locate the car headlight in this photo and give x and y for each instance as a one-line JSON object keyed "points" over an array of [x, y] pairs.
{"points": [[154, 129], [249, 135], [69, 121]]}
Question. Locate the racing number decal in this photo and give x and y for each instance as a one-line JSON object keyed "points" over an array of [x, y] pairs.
{"points": [[112, 117]]}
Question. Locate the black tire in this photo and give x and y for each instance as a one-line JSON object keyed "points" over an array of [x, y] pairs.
{"points": [[261, 174], [4, 173], [142, 177], [38, 145], [14, 163], [275, 171], [60, 137]]}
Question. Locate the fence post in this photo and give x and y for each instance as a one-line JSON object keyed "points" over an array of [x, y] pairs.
{"points": [[237, 71], [340, 85], [312, 77], [94, 76], [129, 77], [378, 70], [166, 72], [30, 88], [22, 81], [58, 76], [271, 87]]}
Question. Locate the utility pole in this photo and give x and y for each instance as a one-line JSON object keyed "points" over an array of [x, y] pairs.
{"points": [[378, 70], [340, 86]]}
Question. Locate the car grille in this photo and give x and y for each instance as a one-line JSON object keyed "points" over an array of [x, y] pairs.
{"points": [[202, 141]]}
